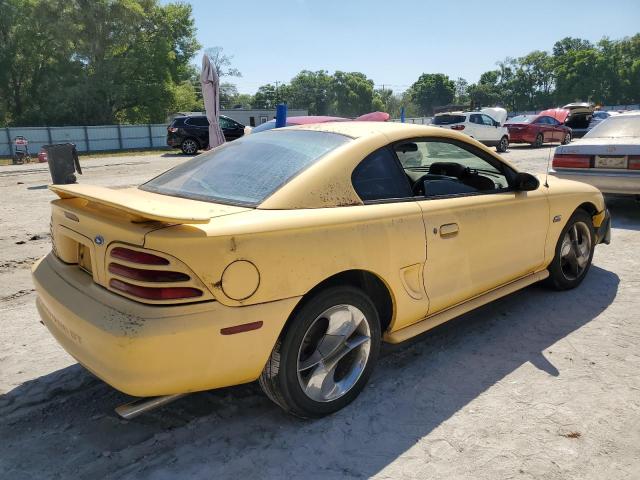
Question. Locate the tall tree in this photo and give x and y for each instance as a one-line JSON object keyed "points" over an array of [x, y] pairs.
{"points": [[353, 93], [312, 90], [432, 90]]}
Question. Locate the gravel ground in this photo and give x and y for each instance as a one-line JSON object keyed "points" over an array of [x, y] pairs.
{"points": [[538, 385]]}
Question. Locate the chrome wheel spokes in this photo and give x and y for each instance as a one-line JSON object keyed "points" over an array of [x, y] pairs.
{"points": [[334, 353], [575, 251]]}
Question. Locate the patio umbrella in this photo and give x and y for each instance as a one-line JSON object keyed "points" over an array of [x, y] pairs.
{"points": [[211, 95]]}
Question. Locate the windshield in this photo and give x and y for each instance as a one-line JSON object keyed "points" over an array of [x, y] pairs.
{"points": [[247, 170], [522, 119], [614, 127]]}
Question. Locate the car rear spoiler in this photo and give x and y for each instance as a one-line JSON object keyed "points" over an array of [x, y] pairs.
{"points": [[142, 205]]}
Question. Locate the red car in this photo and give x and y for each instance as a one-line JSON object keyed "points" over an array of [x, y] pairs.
{"points": [[305, 120], [538, 129]]}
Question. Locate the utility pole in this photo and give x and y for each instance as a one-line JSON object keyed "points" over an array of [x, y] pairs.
{"points": [[277, 92]]}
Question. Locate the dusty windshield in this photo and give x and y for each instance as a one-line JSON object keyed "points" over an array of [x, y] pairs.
{"points": [[614, 127]]}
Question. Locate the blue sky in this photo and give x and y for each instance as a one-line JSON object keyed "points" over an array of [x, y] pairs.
{"points": [[393, 42]]}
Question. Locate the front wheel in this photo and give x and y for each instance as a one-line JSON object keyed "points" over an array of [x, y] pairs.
{"points": [[574, 252], [326, 354], [503, 145], [566, 139]]}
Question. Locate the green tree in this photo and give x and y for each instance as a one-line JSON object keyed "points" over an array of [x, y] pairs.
{"points": [[353, 93], [93, 62], [312, 90], [269, 95], [432, 90]]}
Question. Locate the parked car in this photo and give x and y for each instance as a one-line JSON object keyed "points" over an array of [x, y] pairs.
{"points": [[309, 119], [537, 130], [608, 156], [288, 256], [485, 125], [576, 116], [191, 133]]}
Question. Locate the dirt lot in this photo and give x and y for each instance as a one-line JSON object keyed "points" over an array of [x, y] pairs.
{"points": [[540, 384]]}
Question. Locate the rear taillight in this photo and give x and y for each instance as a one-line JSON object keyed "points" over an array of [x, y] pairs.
{"points": [[172, 129], [144, 276], [634, 162], [147, 275], [135, 256], [571, 161], [457, 127], [155, 293]]}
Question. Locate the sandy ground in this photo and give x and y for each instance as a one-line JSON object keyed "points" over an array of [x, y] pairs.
{"points": [[540, 384]]}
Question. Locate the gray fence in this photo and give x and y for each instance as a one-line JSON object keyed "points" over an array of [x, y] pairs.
{"points": [[87, 139]]}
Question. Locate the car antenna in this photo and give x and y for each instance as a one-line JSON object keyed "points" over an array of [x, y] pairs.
{"points": [[546, 175]]}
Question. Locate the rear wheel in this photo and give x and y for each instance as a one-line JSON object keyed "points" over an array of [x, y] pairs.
{"points": [[189, 146], [539, 141], [326, 354], [503, 145], [574, 252], [566, 139]]}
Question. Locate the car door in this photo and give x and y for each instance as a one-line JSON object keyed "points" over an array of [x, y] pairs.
{"points": [[557, 129], [493, 132], [199, 128], [476, 127], [545, 127], [231, 129], [480, 232]]}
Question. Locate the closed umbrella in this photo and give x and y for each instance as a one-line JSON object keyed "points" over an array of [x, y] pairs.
{"points": [[211, 95]]}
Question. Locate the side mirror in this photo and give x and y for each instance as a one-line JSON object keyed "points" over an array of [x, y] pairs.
{"points": [[525, 182]]}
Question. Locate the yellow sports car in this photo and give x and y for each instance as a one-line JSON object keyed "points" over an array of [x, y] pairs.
{"points": [[289, 256]]}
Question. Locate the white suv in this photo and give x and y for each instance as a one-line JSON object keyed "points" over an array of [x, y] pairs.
{"points": [[485, 125]]}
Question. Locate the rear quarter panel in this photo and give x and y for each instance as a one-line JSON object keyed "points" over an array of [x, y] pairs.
{"points": [[295, 250]]}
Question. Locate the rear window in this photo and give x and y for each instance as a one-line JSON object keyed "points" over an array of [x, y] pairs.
{"points": [[522, 119], [248, 170], [614, 127], [448, 119]]}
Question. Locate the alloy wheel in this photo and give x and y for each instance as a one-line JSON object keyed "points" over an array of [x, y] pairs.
{"points": [[334, 353], [189, 146], [575, 251]]}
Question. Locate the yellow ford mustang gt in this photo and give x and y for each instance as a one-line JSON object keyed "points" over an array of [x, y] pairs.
{"points": [[288, 256]]}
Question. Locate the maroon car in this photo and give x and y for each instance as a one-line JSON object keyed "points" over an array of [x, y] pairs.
{"points": [[537, 129]]}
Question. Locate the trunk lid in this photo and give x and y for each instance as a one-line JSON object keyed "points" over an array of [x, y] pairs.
{"points": [[87, 219]]}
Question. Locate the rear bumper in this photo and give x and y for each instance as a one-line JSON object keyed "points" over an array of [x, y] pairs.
{"points": [[147, 350], [622, 182]]}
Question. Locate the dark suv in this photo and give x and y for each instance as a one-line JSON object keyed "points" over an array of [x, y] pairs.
{"points": [[191, 133]]}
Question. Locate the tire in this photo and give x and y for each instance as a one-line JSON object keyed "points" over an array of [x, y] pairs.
{"points": [[308, 382], [574, 252], [567, 139], [189, 146], [503, 145], [539, 141]]}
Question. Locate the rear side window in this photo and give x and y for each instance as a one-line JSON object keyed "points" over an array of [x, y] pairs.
{"points": [[198, 121], [379, 177], [475, 118], [448, 119]]}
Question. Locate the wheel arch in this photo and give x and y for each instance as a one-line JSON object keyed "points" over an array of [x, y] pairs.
{"points": [[373, 285]]}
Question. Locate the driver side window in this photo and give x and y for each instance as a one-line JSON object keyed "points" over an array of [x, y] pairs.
{"points": [[439, 168]]}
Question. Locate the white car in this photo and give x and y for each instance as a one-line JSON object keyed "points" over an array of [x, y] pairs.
{"points": [[486, 125], [607, 157]]}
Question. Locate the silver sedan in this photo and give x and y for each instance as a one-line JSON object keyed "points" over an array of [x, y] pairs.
{"points": [[607, 157]]}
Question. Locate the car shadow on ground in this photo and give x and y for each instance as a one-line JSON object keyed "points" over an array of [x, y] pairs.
{"points": [[179, 155], [65, 420]]}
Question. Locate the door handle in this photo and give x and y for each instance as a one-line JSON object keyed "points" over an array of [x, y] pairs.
{"points": [[449, 229]]}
